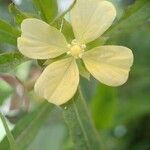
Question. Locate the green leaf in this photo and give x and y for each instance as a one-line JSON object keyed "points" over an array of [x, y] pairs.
{"points": [[8, 133], [104, 105], [133, 108], [138, 4], [8, 61], [47, 9], [80, 125], [27, 128], [8, 34], [6, 37], [4, 26], [18, 15], [136, 17]]}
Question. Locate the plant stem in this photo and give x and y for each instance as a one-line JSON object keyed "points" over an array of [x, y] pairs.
{"points": [[80, 125]]}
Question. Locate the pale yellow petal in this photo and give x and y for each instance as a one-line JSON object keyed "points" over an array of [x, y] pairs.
{"points": [[59, 81], [91, 18], [40, 40], [109, 64]]}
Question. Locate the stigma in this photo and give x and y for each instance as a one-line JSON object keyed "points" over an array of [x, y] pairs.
{"points": [[76, 49]]}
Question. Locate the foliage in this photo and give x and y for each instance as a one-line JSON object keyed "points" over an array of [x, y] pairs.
{"points": [[110, 108]]}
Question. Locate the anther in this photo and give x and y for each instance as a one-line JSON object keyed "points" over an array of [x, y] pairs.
{"points": [[74, 42], [69, 45], [83, 46], [80, 55], [76, 49], [68, 53]]}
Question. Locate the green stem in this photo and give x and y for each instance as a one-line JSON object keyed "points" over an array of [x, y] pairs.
{"points": [[80, 125], [8, 133]]}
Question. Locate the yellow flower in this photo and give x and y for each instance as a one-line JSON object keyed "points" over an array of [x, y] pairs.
{"points": [[59, 81]]}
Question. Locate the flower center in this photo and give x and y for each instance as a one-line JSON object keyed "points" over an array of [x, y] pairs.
{"points": [[76, 49]]}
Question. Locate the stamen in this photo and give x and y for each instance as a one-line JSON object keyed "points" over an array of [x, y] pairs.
{"points": [[76, 49], [68, 53], [74, 42], [69, 45], [80, 55], [83, 46]]}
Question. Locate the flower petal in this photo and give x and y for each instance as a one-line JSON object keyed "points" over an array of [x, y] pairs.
{"points": [[91, 18], [109, 64], [59, 81], [40, 40]]}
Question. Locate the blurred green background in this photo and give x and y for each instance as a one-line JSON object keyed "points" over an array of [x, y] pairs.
{"points": [[121, 115]]}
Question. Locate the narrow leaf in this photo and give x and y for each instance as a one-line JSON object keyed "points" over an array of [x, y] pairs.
{"points": [[18, 15], [138, 4], [47, 9], [136, 17], [4, 26], [8, 133], [8, 61], [26, 129], [6, 37], [8, 33]]}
